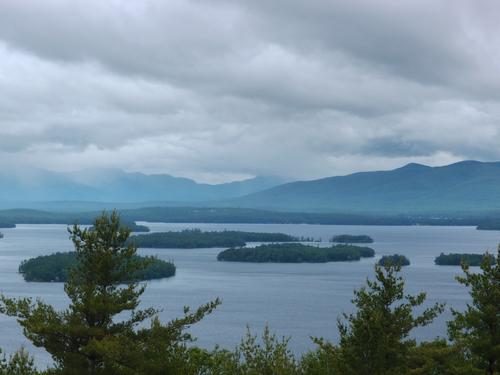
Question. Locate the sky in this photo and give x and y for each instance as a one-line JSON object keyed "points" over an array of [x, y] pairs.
{"points": [[220, 90]]}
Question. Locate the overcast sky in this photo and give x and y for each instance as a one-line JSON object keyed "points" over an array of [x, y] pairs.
{"points": [[219, 90]]}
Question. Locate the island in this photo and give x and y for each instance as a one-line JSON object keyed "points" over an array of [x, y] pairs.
{"points": [[1, 235], [56, 268], [455, 259], [489, 225], [295, 253], [195, 239], [7, 225], [349, 238], [136, 228], [395, 260]]}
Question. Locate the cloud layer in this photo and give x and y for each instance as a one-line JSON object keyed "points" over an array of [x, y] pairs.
{"points": [[217, 90]]}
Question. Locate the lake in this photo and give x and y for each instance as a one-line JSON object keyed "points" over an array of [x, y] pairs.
{"points": [[296, 300]]}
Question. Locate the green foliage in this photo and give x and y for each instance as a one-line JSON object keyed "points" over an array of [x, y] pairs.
{"points": [[348, 238], [19, 363], [476, 331], [473, 260], [374, 340], [87, 337], [270, 357], [438, 358], [325, 360], [267, 355], [195, 238], [395, 259], [295, 253], [57, 268]]}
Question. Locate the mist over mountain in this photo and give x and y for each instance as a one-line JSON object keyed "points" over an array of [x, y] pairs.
{"points": [[464, 187], [467, 186], [32, 187]]}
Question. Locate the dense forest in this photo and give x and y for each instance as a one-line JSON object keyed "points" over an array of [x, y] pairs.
{"points": [[7, 225], [489, 225], [57, 267], [239, 215], [454, 259], [295, 253], [195, 239], [395, 259], [136, 228], [349, 238], [103, 331]]}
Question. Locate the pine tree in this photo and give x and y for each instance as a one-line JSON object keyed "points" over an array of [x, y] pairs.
{"points": [[374, 340], [476, 331], [88, 337]]}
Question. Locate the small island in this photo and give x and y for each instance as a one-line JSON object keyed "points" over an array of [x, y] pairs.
{"points": [[56, 268], [349, 238], [295, 253], [395, 260], [136, 228], [454, 259], [196, 239], [489, 225]]}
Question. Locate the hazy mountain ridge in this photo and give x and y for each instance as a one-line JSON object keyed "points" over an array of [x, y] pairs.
{"points": [[118, 186], [461, 187]]}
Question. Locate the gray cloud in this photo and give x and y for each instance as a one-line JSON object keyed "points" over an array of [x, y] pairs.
{"points": [[221, 89]]}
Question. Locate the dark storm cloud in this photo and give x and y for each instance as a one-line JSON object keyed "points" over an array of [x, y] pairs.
{"points": [[223, 89]]}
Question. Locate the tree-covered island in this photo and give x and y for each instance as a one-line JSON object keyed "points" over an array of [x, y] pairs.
{"points": [[295, 253], [454, 259], [349, 238], [196, 239], [57, 267], [394, 260]]}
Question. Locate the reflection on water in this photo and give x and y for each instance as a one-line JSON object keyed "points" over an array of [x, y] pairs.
{"points": [[298, 300]]}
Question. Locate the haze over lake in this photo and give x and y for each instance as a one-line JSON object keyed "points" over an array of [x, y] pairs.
{"points": [[297, 300]]}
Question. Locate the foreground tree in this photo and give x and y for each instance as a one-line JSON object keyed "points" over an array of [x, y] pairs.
{"points": [[88, 337], [374, 340], [477, 330], [19, 363]]}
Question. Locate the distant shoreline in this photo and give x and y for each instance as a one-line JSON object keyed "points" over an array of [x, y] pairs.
{"points": [[9, 218]]}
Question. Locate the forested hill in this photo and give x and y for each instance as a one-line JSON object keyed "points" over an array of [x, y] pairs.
{"points": [[464, 187]]}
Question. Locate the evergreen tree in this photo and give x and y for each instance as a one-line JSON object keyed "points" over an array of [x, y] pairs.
{"points": [[476, 331], [374, 340], [88, 337], [19, 363]]}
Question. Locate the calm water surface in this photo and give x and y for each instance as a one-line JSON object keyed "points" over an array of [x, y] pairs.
{"points": [[297, 300]]}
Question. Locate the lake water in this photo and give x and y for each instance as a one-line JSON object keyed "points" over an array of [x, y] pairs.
{"points": [[297, 300]]}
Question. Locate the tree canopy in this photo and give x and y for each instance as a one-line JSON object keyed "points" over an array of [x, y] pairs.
{"points": [[295, 253], [195, 238], [57, 268]]}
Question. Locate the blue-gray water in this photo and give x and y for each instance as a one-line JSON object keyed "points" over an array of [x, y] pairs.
{"points": [[297, 300]]}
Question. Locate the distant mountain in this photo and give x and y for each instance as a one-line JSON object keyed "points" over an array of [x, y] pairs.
{"points": [[31, 188], [468, 186]]}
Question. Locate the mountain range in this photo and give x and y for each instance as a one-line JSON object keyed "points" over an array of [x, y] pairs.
{"points": [[463, 187], [90, 187]]}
